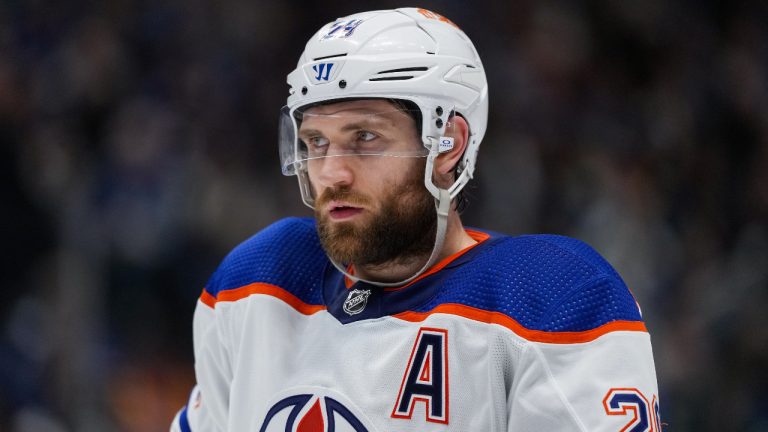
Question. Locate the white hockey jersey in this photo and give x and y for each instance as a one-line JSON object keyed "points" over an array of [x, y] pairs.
{"points": [[530, 333]]}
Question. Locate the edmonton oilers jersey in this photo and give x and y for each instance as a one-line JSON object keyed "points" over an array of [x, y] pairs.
{"points": [[513, 333]]}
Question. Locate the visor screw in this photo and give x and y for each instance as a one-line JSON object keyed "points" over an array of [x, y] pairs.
{"points": [[439, 111], [342, 83], [439, 123], [303, 90]]}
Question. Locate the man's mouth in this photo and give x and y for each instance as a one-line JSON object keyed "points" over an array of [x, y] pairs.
{"points": [[342, 211]]}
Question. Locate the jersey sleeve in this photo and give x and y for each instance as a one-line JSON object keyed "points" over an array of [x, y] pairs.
{"points": [[208, 404], [258, 259], [608, 384], [598, 378], [189, 414]]}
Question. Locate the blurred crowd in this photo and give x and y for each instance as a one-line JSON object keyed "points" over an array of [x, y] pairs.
{"points": [[139, 146]]}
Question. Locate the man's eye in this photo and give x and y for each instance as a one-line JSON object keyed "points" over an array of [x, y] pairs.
{"points": [[366, 136], [317, 141]]}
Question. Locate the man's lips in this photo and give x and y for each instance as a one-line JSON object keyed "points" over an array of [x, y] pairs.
{"points": [[342, 210]]}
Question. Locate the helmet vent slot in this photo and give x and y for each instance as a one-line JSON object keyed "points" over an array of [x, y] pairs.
{"points": [[410, 69], [329, 56], [392, 78], [400, 74]]}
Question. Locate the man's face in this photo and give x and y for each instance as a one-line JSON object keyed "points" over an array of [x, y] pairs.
{"points": [[371, 209]]}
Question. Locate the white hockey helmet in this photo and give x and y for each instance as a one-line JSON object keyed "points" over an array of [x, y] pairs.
{"points": [[408, 54]]}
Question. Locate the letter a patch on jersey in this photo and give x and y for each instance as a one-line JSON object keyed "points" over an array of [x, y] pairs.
{"points": [[426, 377]]}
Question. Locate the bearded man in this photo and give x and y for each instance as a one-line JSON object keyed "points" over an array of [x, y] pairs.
{"points": [[385, 313]]}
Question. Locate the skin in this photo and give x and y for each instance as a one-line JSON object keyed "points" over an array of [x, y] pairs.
{"points": [[354, 192]]}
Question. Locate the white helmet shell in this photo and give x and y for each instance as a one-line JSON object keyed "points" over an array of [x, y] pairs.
{"points": [[408, 53]]}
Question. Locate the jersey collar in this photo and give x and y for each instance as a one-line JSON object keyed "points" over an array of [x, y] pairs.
{"points": [[338, 289]]}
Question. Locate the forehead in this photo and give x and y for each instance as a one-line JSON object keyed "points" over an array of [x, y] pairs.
{"points": [[363, 106], [376, 113]]}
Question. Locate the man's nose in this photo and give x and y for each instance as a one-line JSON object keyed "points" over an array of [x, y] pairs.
{"points": [[335, 171]]}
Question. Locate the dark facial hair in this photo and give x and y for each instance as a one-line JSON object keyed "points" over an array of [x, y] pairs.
{"points": [[400, 232]]}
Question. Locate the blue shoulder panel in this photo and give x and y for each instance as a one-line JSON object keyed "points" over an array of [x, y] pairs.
{"points": [[286, 254], [544, 282]]}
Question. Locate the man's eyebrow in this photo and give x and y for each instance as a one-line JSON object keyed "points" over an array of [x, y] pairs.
{"points": [[360, 124], [309, 132], [363, 124]]}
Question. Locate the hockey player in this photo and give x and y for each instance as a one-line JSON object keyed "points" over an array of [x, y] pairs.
{"points": [[384, 313]]}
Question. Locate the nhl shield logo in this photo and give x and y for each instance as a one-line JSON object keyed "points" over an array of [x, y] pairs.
{"points": [[356, 301]]}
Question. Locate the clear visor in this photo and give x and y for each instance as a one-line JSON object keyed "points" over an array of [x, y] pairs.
{"points": [[322, 131]]}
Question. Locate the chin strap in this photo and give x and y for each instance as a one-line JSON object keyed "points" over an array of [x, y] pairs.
{"points": [[442, 206]]}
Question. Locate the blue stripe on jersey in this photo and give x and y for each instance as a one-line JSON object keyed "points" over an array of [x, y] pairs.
{"points": [[286, 254], [544, 282], [183, 421], [549, 283]]}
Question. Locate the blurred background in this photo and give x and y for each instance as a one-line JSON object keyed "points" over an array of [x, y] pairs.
{"points": [[139, 146]]}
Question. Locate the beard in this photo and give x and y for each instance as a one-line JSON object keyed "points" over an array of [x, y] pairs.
{"points": [[400, 232]]}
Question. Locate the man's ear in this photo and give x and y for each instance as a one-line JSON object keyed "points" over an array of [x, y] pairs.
{"points": [[458, 129]]}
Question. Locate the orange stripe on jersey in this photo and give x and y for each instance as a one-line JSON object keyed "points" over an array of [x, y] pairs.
{"points": [[531, 335], [477, 236], [448, 308], [261, 288], [208, 299]]}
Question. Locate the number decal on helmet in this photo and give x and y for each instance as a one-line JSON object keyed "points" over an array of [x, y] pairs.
{"points": [[436, 16], [348, 28]]}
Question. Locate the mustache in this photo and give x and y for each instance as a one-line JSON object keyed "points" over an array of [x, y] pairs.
{"points": [[342, 194]]}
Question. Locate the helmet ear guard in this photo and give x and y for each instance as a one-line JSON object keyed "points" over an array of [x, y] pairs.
{"points": [[444, 144]]}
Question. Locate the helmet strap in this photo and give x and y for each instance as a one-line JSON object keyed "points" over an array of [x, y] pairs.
{"points": [[442, 207]]}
